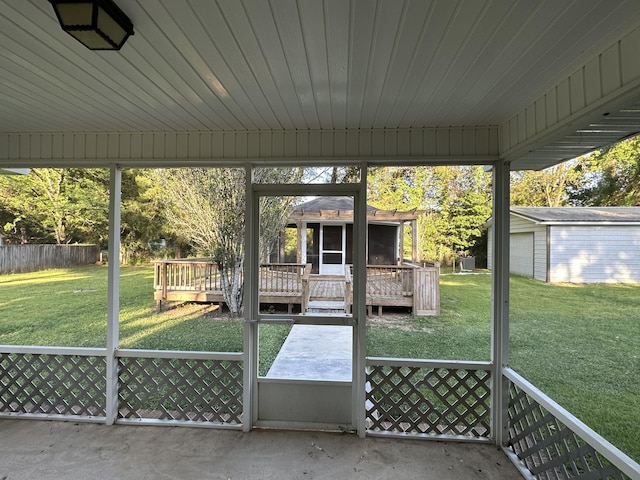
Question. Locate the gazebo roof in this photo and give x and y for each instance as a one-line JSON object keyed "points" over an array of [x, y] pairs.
{"points": [[341, 208]]}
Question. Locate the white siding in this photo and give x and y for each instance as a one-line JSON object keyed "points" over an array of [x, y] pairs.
{"points": [[474, 144], [520, 225], [521, 254], [595, 254], [576, 98]]}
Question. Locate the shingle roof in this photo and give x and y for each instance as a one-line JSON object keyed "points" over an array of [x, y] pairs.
{"points": [[579, 214], [341, 206], [330, 203]]}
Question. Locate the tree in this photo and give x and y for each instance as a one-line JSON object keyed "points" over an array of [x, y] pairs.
{"points": [[60, 205], [459, 203], [611, 176], [142, 221], [207, 208], [550, 187], [456, 200]]}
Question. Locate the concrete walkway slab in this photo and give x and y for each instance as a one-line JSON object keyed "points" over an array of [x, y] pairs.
{"points": [[32, 449], [315, 352]]}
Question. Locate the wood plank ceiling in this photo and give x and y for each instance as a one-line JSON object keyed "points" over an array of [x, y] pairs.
{"points": [[311, 65]]}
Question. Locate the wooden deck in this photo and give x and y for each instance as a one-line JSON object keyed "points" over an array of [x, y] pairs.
{"points": [[292, 284]]}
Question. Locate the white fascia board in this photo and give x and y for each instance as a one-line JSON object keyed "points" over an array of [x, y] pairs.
{"points": [[525, 217], [587, 224], [14, 171]]}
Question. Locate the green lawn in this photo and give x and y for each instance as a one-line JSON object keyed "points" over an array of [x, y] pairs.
{"points": [[579, 344]]}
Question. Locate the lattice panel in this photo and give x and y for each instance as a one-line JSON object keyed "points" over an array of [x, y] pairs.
{"points": [[549, 449], [434, 401], [175, 389], [52, 384]]}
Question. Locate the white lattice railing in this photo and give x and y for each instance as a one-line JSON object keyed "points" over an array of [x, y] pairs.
{"points": [[51, 382], [551, 444], [180, 387], [153, 386], [428, 398]]}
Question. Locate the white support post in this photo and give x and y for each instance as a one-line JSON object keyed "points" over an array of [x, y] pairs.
{"points": [[113, 294], [250, 398], [359, 308], [500, 302]]}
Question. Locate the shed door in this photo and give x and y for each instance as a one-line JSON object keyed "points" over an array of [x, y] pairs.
{"points": [[521, 256]]}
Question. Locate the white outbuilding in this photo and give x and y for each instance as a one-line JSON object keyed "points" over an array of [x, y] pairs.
{"points": [[575, 244]]}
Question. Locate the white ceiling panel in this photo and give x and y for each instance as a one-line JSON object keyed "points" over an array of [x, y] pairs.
{"points": [[304, 65]]}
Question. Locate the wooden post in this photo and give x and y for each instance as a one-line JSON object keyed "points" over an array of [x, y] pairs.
{"points": [[414, 240], [400, 258], [299, 258], [163, 284]]}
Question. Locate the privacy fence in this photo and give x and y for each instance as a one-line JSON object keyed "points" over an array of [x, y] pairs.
{"points": [[31, 258]]}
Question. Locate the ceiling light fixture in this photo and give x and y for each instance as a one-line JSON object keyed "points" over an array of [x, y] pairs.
{"points": [[97, 24]]}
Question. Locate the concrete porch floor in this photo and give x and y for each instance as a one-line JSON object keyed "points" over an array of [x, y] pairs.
{"points": [[31, 449]]}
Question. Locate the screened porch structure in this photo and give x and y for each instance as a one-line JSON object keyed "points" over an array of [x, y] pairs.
{"points": [[506, 85], [324, 235]]}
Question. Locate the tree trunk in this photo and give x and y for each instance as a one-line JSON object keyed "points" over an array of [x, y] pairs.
{"points": [[231, 274]]}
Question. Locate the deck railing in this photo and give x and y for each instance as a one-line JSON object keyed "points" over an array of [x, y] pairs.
{"points": [[390, 281], [407, 285], [200, 280], [281, 277], [348, 288], [186, 275], [203, 275], [306, 287]]}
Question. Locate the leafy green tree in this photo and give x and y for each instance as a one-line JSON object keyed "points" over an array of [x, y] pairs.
{"points": [[142, 216], [59, 205], [611, 176], [459, 200], [397, 187], [550, 187], [456, 201]]}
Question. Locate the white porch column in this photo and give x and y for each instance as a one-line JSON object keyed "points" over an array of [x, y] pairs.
{"points": [[113, 294], [251, 307], [359, 303], [500, 302]]}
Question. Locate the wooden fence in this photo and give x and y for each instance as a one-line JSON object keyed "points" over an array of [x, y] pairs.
{"points": [[31, 258]]}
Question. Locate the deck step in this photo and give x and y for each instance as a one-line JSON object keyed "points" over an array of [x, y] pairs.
{"points": [[325, 307]]}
